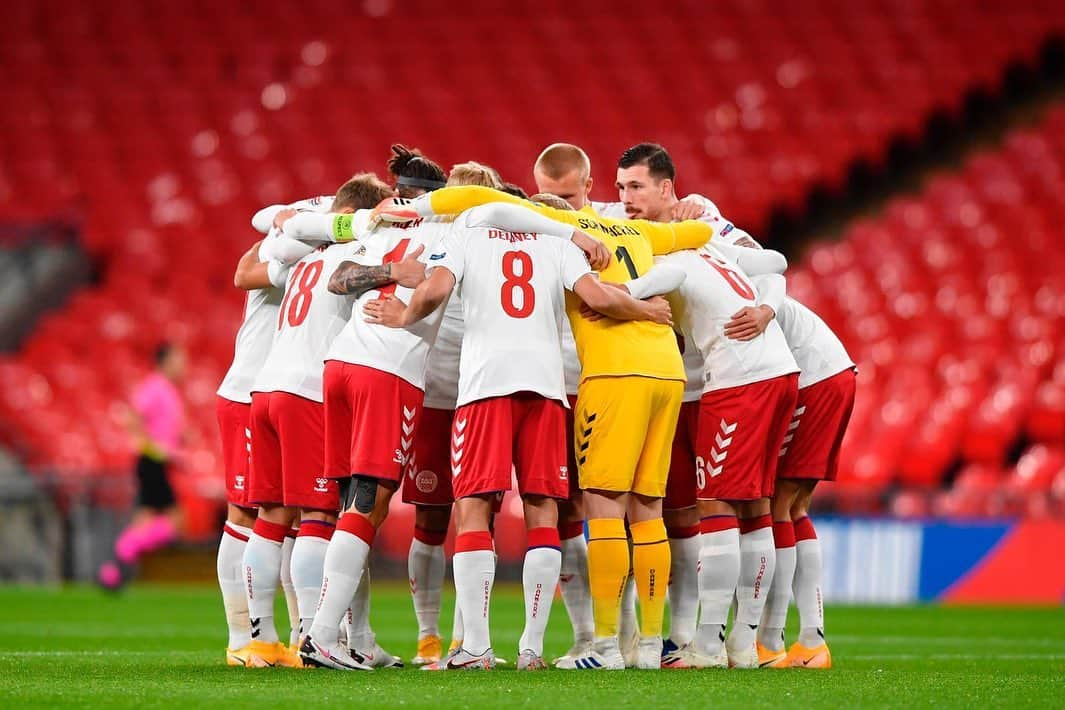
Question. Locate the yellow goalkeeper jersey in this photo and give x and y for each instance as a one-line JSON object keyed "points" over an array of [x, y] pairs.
{"points": [[607, 346]]}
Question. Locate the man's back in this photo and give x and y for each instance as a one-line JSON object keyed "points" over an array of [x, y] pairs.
{"points": [[308, 320], [713, 291], [401, 351], [511, 285]]}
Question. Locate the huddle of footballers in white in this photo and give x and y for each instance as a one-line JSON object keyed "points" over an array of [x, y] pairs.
{"points": [[380, 349]]}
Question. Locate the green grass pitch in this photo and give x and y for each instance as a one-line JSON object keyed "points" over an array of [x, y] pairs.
{"points": [[155, 646]]}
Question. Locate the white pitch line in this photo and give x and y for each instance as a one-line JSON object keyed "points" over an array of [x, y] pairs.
{"points": [[60, 652], [948, 640], [953, 657]]}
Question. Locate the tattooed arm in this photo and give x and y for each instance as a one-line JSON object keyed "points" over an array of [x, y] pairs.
{"points": [[356, 279]]}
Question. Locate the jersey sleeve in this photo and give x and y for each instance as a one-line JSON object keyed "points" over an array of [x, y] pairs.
{"points": [[312, 226], [754, 262], [453, 200], [661, 279], [667, 237], [574, 265], [284, 249], [277, 272], [516, 218], [264, 218], [450, 254], [772, 289]]}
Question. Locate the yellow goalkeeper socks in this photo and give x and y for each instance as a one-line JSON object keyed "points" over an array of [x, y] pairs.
{"points": [[650, 568], [608, 570]]}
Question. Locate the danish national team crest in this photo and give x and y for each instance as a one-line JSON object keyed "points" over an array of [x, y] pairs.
{"points": [[426, 481]]}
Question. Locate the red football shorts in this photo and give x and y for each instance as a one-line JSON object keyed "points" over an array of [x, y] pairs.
{"points": [[233, 425], [288, 453], [370, 419], [680, 486], [740, 433], [523, 432], [815, 432], [428, 478]]}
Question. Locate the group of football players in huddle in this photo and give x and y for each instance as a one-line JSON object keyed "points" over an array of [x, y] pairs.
{"points": [[637, 367]]}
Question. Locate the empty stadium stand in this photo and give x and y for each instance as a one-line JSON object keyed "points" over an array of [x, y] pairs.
{"points": [[163, 125]]}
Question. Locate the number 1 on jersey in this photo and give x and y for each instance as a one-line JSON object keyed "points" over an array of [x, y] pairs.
{"points": [[622, 255]]}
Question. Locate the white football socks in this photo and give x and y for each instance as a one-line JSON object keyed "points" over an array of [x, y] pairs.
{"points": [[757, 563], [719, 573], [360, 634], [230, 565], [262, 572], [475, 573], [345, 561], [775, 616], [426, 567], [539, 577], [576, 593], [627, 624], [307, 568], [807, 589], [683, 588], [291, 600]]}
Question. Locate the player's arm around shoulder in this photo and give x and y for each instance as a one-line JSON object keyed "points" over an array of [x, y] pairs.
{"points": [[354, 279], [618, 304], [252, 274], [431, 294], [668, 237]]}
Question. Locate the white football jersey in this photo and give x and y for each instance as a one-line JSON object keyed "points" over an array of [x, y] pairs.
{"points": [[264, 218], [694, 367], [442, 365], [612, 210], [254, 337], [308, 320], [571, 363], [513, 307], [817, 350], [399, 351], [714, 289]]}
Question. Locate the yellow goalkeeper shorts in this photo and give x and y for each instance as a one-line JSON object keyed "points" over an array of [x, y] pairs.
{"points": [[623, 433]]}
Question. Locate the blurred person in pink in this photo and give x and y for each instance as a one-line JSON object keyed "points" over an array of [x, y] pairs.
{"points": [[156, 421]]}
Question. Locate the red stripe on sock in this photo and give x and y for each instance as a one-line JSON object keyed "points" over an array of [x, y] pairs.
{"points": [[430, 537], [543, 537], [682, 533], [804, 529], [718, 523], [293, 533], [473, 541], [317, 528], [783, 534], [570, 530], [357, 525], [749, 525], [270, 531], [235, 533]]}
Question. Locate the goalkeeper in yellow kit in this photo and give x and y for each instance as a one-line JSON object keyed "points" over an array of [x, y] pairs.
{"points": [[632, 381]]}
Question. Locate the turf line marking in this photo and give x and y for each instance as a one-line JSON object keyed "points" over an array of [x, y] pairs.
{"points": [[948, 640], [955, 657], [154, 654]]}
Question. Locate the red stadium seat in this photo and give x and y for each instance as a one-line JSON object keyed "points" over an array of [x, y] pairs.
{"points": [[163, 143]]}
